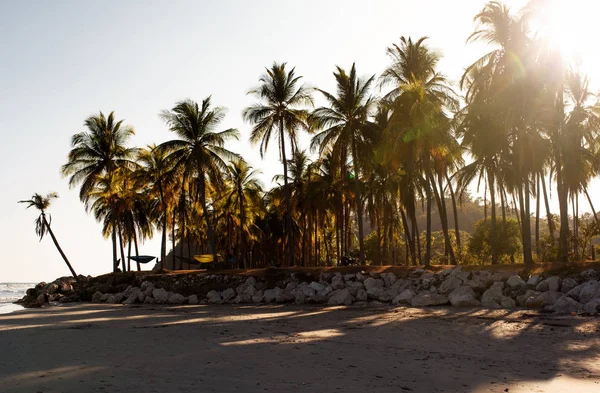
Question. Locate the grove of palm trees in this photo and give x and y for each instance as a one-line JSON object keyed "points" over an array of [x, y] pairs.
{"points": [[520, 126]]}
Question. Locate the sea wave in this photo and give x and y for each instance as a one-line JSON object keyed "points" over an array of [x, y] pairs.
{"points": [[12, 291]]}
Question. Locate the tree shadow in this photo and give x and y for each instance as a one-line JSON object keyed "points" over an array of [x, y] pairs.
{"points": [[295, 348]]}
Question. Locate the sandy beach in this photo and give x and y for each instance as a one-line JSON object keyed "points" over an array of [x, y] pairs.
{"points": [[115, 348]]}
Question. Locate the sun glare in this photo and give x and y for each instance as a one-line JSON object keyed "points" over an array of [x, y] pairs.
{"points": [[569, 24]]}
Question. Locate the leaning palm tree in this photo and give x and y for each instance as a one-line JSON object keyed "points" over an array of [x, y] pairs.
{"points": [[98, 152], [198, 153], [280, 113], [42, 225], [347, 128]]}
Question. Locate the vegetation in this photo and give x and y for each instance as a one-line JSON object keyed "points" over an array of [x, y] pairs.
{"points": [[391, 164], [42, 224]]}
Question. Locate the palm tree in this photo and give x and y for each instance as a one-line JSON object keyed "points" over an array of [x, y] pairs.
{"points": [[96, 153], [244, 196], [155, 170], [42, 225], [347, 129], [280, 113], [199, 153]]}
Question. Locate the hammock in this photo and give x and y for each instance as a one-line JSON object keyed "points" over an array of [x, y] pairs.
{"points": [[142, 258], [188, 260], [205, 258]]}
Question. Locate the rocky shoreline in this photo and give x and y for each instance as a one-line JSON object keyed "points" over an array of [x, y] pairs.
{"points": [[577, 294]]}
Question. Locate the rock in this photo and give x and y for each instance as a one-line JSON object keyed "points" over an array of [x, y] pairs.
{"points": [[417, 273], [112, 300], [372, 283], [533, 281], [51, 288], [316, 286], [349, 277], [360, 277], [160, 295], [258, 297], [480, 280], [589, 274], [96, 297], [523, 299], [592, 307], [399, 286], [589, 291], [105, 297], [385, 296], [42, 299], [463, 297], [283, 295], [269, 295], [149, 300], [65, 287], [245, 292], [566, 305], [145, 285], [340, 297], [515, 281], [133, 297], [424, 299], [119, 297], [228, 294], [337, 282], [389, 279], [374, 292], [354, 287], [326, 277], [250, 281], [549, 284], [567, 285], [176, 298], [450, 284], [574, 293], [374, 275], [300, 297], [214, 297], [405, 297], [361, 295], [544, 299], [193, 299], [428, 279], [494, 297], [457, 272]]}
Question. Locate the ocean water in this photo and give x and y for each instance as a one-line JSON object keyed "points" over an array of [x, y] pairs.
{"points": [[11, 291]]}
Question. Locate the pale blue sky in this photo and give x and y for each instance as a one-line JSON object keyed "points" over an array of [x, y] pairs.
{"points": [[62, 61]]}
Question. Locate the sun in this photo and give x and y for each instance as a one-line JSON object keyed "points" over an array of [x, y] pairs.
{"points": [[570, 25]]}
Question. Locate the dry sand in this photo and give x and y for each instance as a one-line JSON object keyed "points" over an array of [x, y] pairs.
{"points": [[104, 348]]}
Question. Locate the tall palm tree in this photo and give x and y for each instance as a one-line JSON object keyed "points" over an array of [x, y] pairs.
{"points": [[244, 195], [155, 170], [347, 129], [280, 113], [98, 152], [42, 225], [199, 152]]}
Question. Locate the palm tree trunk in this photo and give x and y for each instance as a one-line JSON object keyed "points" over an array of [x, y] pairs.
{"points": [[428, 230], [137, 251], [173, 237], [288, 199], [122, 249], [62, 254], [163, 243], [443, 217], [361, 242], [493, 245], [209, 229], [526, 222], [455, 213], [537, 217], [591, 205], [129, 256], [551, 227]]}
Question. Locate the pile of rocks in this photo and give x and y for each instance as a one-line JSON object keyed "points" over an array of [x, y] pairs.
{"points": [[61, 290], [575, 294]]}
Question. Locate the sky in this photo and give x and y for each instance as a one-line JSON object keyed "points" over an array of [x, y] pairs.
{"points": [[63, 61]]}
